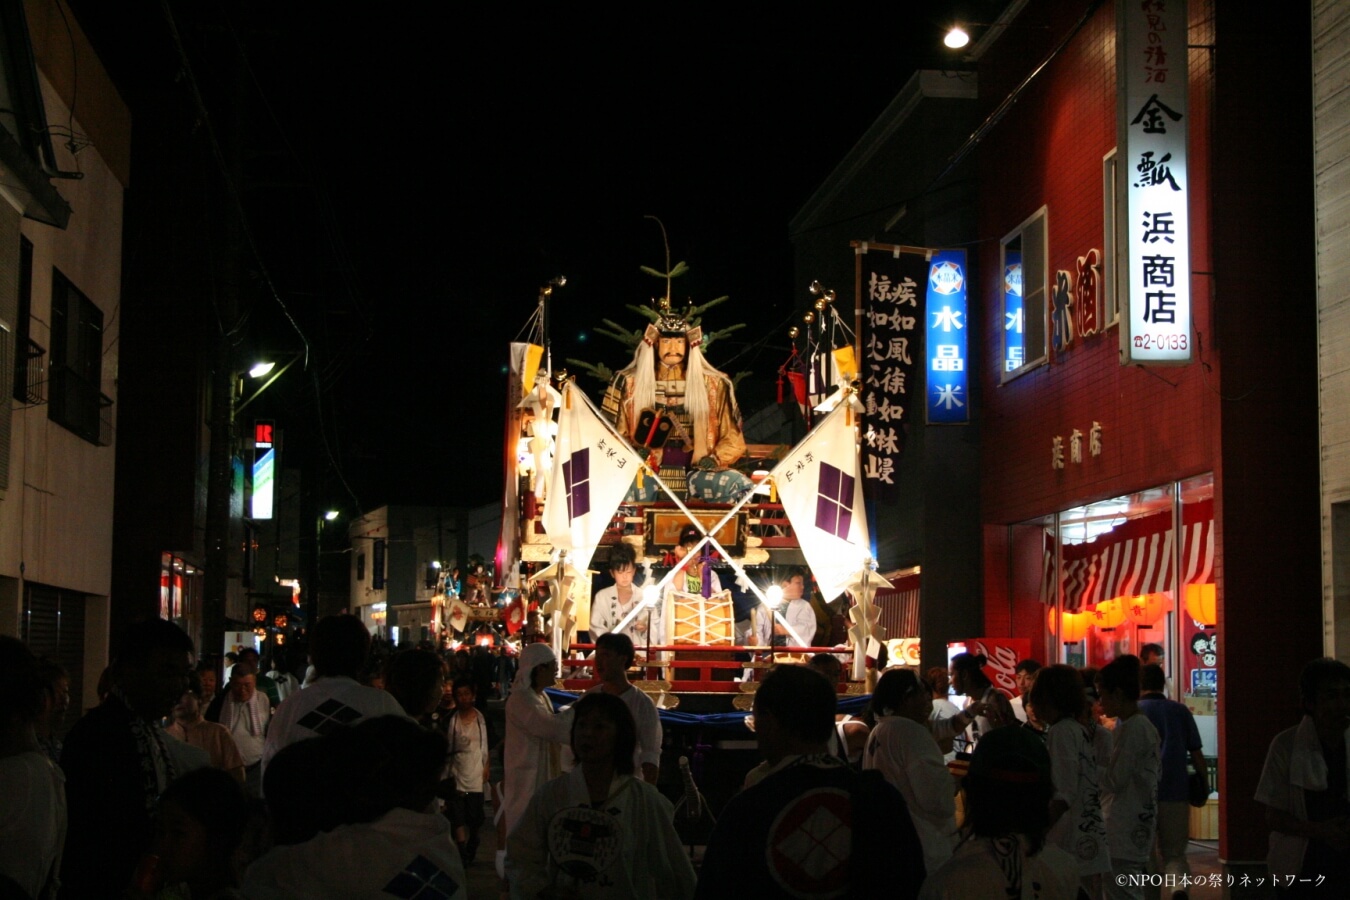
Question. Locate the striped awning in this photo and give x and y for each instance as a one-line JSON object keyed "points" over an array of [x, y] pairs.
{"points": [[1133, 558]]}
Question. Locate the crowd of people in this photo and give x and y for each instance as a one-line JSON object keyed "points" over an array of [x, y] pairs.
{"points": [[174, 788]]}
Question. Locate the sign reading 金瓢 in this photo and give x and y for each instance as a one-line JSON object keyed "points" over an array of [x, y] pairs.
{"points": [[1152, 82], [945, 320]]}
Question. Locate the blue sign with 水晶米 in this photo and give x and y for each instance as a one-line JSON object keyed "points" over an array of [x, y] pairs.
{"points": [[948, 399]]}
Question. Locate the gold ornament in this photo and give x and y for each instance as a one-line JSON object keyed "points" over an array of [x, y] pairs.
{"points": [[809, 317], [793, 332]]}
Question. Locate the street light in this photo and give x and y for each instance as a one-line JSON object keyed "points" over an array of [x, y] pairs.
{"points": [[331, 515], [956, 38]]}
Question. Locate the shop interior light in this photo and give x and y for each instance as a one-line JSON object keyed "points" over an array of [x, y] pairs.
{"points": [[956, 38], [260, 369]]}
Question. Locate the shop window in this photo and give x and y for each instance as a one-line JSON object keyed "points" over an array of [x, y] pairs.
{"points": [[1111, 228], [76, 402], [1023, 264]]}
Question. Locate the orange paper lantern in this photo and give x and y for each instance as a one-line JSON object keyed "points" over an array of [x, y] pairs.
{"points": [[1109, 613], [1070, 627], [1202, 602], [1146, 609]]}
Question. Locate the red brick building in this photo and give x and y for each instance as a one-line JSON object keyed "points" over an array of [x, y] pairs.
{"points": [[1219, 456], [1199, 476]]}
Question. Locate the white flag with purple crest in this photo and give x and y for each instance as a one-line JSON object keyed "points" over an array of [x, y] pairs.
{"points": [[820, 487], [592, 472]]}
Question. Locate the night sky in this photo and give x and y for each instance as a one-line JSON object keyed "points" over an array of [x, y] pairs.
{"points": [[453, 163]]}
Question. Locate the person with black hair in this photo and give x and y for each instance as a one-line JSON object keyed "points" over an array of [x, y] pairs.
{"points": [[339, 648], [33, 811], [117, 761], [1305, 786], [1180, 738], [1076, 823], [56, 702], [378, 783], [611, 605], [598, 831], [1003, 850], [191, 727], [1129, 781], [470, 769], [1023, 674], [797, 611], [416, 679], [202, 819], [614, 654], [903, 749], [989, 706], [757, 849]]}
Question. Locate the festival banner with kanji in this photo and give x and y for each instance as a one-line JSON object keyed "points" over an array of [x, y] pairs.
{"points": [[892, 285], [592, 471], [821, 492]]}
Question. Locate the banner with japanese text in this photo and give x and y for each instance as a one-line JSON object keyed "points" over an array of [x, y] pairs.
{"points": [[892, 286], [945, 345], [1151, 134], [593, 470], [821, 493]]}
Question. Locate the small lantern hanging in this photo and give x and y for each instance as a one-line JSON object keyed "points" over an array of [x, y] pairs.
{"points": [[1109, 614], [1146, 609], [1202, 603], [1070, 627]]}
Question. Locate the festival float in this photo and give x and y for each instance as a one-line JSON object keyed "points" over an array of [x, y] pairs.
{"points": [[663, 450]]}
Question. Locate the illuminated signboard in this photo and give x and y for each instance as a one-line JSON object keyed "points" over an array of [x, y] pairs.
{"points": [[262, 433], [1152, 81], [945, 325], [1014, 343], [264, 480]]}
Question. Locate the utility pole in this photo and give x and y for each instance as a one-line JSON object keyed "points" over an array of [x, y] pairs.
{"points": [[228, 276]]}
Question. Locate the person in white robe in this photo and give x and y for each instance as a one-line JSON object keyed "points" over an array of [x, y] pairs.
{"points": [[599, 832], [534, 732]]}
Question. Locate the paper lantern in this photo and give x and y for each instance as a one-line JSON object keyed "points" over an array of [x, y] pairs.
{"points": [[1071, 627], [1146, 609], [1202, 603], [1109, 613]]}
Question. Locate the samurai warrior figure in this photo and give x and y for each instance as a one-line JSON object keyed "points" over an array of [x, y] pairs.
{"points": [[671, 402]]}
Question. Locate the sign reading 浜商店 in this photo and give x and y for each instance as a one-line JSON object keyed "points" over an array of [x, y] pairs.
{"points": [[1151, 184]]}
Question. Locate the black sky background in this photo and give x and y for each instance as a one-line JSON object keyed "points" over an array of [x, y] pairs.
{"points": [[416, 172]]}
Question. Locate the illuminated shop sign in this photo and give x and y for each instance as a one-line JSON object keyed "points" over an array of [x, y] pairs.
{"points": [[945, 325], [264, 478], [1151, 129], [1014, 343]]}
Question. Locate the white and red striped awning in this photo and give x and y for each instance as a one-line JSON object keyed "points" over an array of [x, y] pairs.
{"points": [[1133, 558]]}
